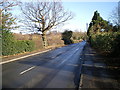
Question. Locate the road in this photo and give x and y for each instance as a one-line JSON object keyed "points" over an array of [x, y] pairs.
{"points": [[59, 68]]}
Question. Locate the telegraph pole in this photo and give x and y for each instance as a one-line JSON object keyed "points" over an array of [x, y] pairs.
{"points": [[86, 26]]}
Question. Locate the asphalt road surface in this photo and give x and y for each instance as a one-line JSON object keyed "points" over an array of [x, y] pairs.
{"points": [[59, 68]]}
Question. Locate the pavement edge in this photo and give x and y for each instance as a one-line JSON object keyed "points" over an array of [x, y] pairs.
{"points": [[82, 60]]}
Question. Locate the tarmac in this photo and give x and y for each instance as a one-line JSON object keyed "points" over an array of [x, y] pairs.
{"points": [[95, 73]]}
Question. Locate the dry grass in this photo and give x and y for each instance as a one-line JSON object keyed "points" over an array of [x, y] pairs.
{"points": [[53, 39]]}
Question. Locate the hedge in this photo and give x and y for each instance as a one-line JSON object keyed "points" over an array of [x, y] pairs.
{"points": [[107, 42], [24, 46], [11, 46]]}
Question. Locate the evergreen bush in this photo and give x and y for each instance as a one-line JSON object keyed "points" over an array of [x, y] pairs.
{"points": [[11, 46], [107, 42]]}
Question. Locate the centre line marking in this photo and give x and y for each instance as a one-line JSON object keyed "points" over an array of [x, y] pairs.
{"points": [[77, 49], [27, 70]]}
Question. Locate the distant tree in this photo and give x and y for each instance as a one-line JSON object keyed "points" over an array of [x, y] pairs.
{"points": [[66, 37], [79, 35], [43, 16]]}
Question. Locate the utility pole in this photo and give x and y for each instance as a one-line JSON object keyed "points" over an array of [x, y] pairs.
{"points": [[86, 26]]}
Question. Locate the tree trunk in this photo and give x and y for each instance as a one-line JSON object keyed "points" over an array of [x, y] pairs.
{"points": [[44, 39]]}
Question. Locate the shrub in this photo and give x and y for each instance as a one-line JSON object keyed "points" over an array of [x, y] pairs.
{"points": [[66, 37], [8, 43], [24, 46], [11, 46], [116, 45], [107, 42], [29, 45]]}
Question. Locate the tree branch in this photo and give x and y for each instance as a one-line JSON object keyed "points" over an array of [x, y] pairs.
{"points": [[45, 15]]}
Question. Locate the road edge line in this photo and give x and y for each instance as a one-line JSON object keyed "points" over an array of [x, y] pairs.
{"points": [[81, 80], [15, 59]]}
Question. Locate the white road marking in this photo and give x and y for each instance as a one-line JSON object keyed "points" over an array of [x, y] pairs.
{"points": [[77, 49], [23, 57], [27, 70]]}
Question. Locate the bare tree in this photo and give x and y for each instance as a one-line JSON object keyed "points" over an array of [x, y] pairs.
{"points": [[7, 4], [43, 16], [115, 16]]}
